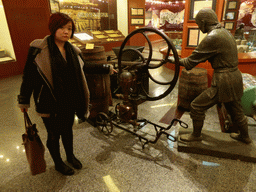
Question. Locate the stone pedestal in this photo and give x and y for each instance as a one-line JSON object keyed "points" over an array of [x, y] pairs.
{"points": [[218, 144]]}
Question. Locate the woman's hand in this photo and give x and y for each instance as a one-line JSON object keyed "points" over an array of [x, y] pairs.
{"points": [[112, 70], [115, 71]]}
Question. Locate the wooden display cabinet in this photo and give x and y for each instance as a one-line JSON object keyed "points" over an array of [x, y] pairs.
{"points": [[106, 38]]}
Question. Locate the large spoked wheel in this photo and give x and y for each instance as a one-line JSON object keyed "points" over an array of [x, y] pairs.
{"points": [[151, 63], [104, 123]]}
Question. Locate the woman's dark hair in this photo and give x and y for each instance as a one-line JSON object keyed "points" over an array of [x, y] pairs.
{"points": [[57, 20]]}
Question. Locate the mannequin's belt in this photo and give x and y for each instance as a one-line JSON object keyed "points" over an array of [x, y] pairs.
{"points": [[224, 70]]}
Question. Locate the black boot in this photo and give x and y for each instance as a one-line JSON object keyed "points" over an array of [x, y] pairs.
{"points": [[243, 135], [196, 135], [64, 169], [67, 140], [74, 162], [60, 166]]}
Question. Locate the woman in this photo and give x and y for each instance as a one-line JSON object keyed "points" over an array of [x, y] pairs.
{"points": [[54, 73]]}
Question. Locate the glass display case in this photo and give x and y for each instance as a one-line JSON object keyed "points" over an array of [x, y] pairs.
{"points": [[6, 47], [252, 40], [97, 37], [95, 20], [242, 24], [167, 16], [176, 37], [88, 15]]}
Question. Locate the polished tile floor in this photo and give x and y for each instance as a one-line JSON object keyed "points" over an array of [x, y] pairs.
{"points": [[117, 162]]}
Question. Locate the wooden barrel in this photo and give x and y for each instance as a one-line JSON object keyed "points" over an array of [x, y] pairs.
{"points": [[95, 55], [191, 84], [99, 84]]}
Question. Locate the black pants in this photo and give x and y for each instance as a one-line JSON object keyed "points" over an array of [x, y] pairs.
{"points": [[59, 126]]}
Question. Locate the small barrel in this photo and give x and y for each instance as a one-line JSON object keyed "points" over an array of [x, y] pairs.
{"points": [[99, 84], [191, 84], [95, 55]]}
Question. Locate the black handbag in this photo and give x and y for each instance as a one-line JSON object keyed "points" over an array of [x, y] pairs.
{"points": [[34, 147]]}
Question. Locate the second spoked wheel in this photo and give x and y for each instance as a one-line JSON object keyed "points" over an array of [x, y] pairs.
{"points": [[104, 123]]}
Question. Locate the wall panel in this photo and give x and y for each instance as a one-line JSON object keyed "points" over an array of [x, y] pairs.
{"points": [[27, 20]]}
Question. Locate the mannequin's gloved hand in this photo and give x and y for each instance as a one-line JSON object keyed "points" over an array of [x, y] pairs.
{"points": [[171, 59]]}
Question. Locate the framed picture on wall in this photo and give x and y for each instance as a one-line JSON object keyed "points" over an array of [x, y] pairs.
{"points": [[230, 15], [137, 11], [197, 5], [232, 5], [193, 37], [134, 11], [201, 36], [140, 11], [137, 21], [229, 25]]}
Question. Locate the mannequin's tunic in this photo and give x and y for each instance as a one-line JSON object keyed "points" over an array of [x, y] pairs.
{"points": [[219, 48]]}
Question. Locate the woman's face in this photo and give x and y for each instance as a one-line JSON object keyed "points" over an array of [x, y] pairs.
{"points": [[64, 33]]}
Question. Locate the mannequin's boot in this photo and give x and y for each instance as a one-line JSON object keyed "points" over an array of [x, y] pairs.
{"points": [[67, 140], [196, 134], [243, 135], [59, 164]]}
